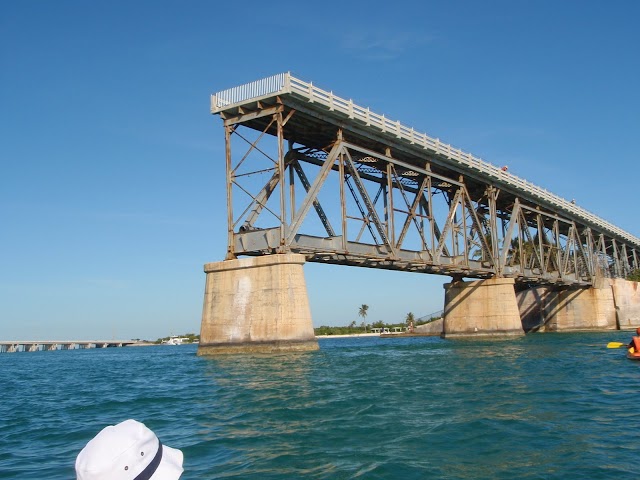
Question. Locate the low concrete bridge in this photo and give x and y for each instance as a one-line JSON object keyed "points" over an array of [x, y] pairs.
{"points": [[311, 176], [47, 345]]}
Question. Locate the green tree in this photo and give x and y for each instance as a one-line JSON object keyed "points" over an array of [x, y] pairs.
{"points": [[363, 311], [528, 248], [410, 318], [479, 253], [634, 276]]}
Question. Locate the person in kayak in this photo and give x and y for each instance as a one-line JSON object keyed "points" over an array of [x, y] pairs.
{"points": [[635, 341], [128, 451]]}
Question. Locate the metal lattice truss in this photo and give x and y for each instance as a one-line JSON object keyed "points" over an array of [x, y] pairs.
{"points": [[340, 194]]}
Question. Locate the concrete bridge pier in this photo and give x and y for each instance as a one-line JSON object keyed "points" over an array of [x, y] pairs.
{"points": [[609, 305], [566, 309], [626, 295], [256, 305], [482, 307]]}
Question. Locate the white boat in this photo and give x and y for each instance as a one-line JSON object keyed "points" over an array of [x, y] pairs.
{"points": [[173, 341]]}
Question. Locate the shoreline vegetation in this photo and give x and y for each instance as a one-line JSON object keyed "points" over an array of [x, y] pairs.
{"points": [[349, 331], [365, 329], [349, 335]]}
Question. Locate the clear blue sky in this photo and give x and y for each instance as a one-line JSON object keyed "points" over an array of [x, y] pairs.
{"points": [[112, 184]]}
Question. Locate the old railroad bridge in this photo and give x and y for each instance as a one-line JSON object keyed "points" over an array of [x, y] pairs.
{"points": [[313, 177]]}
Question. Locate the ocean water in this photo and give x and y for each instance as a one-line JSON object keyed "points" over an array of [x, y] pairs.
{"points": [[544, 406]]}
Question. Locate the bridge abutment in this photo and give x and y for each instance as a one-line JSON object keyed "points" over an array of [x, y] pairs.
{"points": [[566, 309], [482, 307], [626, 295], [256, 305]]}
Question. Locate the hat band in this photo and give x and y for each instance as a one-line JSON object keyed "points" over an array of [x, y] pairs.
{"points": [[148, 472]]}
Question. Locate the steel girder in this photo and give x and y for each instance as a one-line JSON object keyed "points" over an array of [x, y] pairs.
{"points": [[351, 204]]}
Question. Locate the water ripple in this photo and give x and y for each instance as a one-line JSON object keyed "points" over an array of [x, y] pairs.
{"points": [[544, 406]]}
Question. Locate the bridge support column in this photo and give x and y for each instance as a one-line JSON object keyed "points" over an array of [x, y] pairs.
{"points": [[626, 295], [482, 307], [256, 305], [566, 309]]}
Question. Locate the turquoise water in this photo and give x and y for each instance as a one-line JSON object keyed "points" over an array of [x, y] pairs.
{"points": [[544, 406]]}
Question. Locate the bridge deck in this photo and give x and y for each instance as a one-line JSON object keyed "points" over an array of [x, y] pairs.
{"points": [[316, 107], [427, 206]]}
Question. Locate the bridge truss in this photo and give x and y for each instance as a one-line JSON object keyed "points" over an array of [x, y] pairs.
{"points": [[309, 172]]}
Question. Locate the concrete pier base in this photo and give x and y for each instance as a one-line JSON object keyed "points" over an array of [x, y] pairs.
{"points": [[566, 309], [626, 295], [256, 305], [483, 307]]}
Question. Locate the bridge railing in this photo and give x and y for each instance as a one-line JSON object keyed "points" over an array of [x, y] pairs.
{"points": [[285, 83], [250, 91]]}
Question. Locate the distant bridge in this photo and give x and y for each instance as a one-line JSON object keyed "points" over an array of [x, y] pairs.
{"points": [[48, 345], [356, 188]]}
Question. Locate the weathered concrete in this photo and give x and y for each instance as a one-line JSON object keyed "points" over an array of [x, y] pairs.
{"points": [[532, 306], [482, 307], [256, 305], [566, 309], [626, 296], [431, 328]]}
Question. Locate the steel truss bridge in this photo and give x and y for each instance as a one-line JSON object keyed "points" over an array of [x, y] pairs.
{"points": [[312, 173]]}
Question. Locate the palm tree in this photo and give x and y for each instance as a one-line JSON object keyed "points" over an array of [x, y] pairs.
{"points": [[363, 310], [410, 318], [528, 248], [409, 321], [479, 253]]}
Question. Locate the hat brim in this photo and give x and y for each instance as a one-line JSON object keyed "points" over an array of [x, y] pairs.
{"points": [[170, 467]]}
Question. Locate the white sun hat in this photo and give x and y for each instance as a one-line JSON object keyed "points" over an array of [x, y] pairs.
{"points": [[128, 451]]}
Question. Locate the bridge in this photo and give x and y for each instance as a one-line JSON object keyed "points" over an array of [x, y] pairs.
{"points": [[313, 177], [49, 345]]}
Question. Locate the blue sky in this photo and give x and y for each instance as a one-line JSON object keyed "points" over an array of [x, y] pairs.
{"points": [[112, 186]]}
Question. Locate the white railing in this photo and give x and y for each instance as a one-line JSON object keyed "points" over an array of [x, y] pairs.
{"points": [[284, 83], [250, 91]]}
